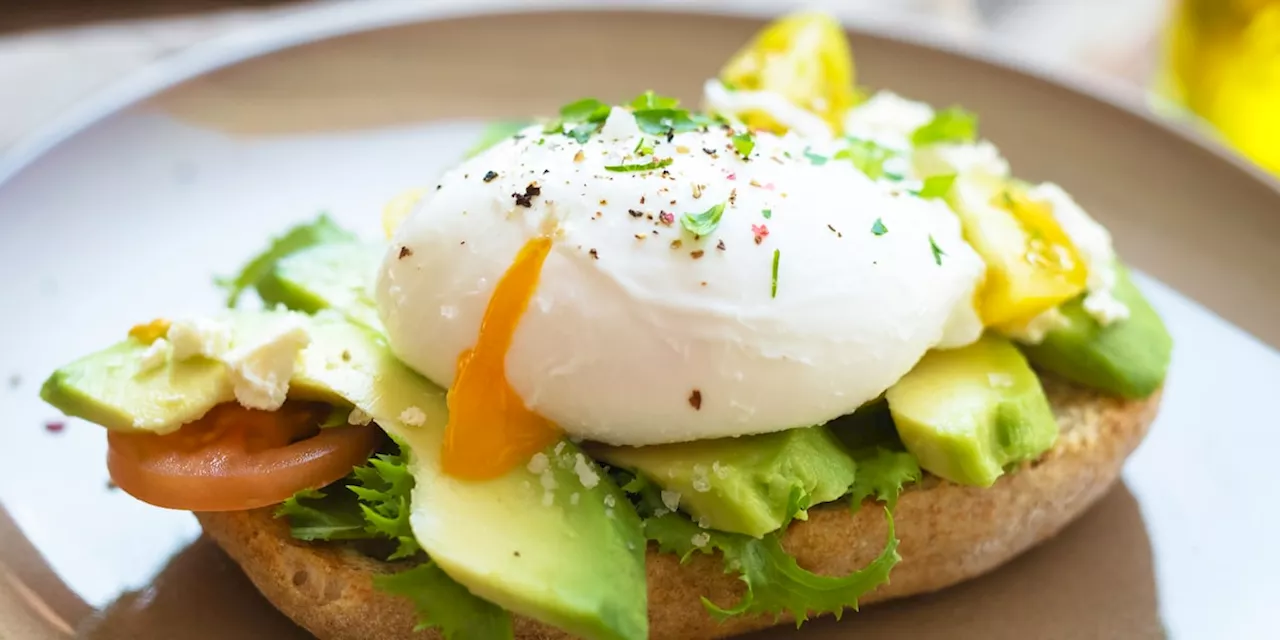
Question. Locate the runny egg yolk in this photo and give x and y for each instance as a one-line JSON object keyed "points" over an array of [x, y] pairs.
{"points": [[490, 429]]}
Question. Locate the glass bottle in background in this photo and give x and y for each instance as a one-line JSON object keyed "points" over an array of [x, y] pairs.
{"points": [[1222, 62]]}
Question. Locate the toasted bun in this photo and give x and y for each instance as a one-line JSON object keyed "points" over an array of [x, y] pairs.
{"points": [[948, 533]]}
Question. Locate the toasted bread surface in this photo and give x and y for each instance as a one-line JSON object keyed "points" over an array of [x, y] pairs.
{"points": [[948, 533]]}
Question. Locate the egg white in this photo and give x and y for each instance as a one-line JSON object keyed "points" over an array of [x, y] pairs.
{"points": [[640, 333]]}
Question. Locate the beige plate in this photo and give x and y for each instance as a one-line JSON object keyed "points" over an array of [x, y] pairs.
{"points": [[126, 211]]}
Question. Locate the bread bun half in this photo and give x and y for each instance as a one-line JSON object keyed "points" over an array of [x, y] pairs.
{"points": [[949, 533]]}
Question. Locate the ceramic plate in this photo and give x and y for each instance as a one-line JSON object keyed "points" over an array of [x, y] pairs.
{"points": [[128, 210]]}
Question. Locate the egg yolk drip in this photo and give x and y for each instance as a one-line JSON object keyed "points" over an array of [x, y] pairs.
{"points": [[490, 430]]}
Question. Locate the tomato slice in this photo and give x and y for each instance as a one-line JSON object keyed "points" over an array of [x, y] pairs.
{"points": [[236, 458]]}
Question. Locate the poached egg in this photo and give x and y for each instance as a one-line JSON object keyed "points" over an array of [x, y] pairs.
{"points": [[638, 289]]}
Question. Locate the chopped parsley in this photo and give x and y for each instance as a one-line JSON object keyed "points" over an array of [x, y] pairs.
{"points": [[936, 186], [816, 159], [868, 157], [588, 115], [643, 148], [647, 166], [651, 100], [952, 124], [743, 143], [703, 224], [585, 110], [767, 213], [937, 251], [773, 290], [878, 228]]}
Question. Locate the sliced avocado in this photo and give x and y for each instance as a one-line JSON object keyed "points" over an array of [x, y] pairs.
{"points": [[967, 413], [561, 544], [336, 275], [751, 484], [110, 388], [116, 389], [1128, 358]]}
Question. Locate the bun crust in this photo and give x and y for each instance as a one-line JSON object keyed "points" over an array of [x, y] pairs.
{"points": [[949, 533]]}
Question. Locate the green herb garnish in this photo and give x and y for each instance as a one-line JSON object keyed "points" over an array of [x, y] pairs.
{"points": [[643, 148], [937, 251], [648, 166], [814, 158], [868, 157], [936, 186], [587, 114], [878, 228], [767, 213], [703, 224], [777, 256], [585, 110], [743, 142], [651, 100], [952, 124]]}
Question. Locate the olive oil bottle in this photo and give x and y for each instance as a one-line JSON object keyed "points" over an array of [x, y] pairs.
{"points": [[1222, 62]]}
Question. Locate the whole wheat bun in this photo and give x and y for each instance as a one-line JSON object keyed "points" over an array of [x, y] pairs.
{"points": [[948, 533]]}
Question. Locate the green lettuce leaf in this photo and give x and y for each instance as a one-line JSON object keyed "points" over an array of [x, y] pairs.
{"points": [[383, 486], [321, 231], [373, 506], [446, 605], [882, 472], [496, 132], [316, 515], [776, 584]]}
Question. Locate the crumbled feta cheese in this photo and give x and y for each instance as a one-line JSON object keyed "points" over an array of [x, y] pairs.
{"points": [[888, 120], [704, 522], [720, 470], [548, 499], [574, 497], [671, 499], [608, 513], [260, 372], [586, 475], [559, 447], [719, 99], [1035, 330], [659, 512], [609, 500], [358, 417], [548, 480], [413, 416], [620, 125], [700, 482], [701, 539], [999, 380], [1093, 243], [154, 356], [199, 337], [538, 463]]}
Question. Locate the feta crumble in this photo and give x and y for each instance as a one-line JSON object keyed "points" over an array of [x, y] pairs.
{"points": [[671, 499], [701, 539], [260, 372], [154, 357], [586, 475], [199, 337], [538, 463], [413, 416]]}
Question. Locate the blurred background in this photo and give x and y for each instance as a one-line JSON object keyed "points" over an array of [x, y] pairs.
{"points": [[1217, 59]]}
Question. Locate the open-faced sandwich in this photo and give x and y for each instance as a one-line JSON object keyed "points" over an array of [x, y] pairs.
{"points": [[640, 371]]}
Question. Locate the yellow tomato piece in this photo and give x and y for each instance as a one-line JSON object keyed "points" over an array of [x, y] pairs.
{"points": [[398, 209], [805, 57], [151, 331], [1032, 265]]}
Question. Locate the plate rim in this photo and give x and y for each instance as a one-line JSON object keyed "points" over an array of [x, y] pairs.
{"points": [[297, 27]]}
